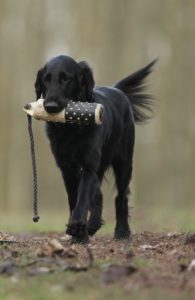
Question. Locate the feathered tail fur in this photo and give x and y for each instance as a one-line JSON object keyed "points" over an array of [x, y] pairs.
{"points": [[133, 86]]}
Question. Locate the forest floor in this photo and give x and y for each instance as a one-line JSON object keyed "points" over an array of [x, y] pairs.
{"points": [[47, 266]]}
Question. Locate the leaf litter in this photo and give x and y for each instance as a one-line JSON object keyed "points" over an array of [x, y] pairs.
{"points": [[165, 260]]}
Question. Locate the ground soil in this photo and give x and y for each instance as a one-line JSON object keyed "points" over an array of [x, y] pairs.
{"points": [[163, 260]]}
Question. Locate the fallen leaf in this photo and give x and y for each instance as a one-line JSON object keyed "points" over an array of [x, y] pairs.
{"points": [[150, 247], [56, 246], [192, 265], [147, 247], [66, 238], [3, 235], [6, 238], [40, 271], [50, 248], [172, 234]]}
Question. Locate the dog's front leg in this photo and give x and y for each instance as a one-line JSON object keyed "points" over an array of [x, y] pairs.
{"points": [[86, 192]]}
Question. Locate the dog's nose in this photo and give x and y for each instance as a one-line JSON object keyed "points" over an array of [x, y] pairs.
{"points": [[51, 107]]}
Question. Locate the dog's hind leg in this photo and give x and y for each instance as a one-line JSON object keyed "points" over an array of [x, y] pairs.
{"points": [[122, 167], [122, 171]]}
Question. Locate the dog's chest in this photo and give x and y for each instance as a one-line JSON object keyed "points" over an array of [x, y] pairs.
{"points": [[68, 144]]}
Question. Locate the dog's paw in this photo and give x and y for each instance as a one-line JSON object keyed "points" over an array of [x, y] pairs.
{"points": [[78, 231], [93, 226], [122, 234]]}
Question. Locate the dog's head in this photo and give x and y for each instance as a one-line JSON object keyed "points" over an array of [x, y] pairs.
{"points": [[63, 79]]}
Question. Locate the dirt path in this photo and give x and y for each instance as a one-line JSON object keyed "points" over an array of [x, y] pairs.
{"points": [[150, 260]]}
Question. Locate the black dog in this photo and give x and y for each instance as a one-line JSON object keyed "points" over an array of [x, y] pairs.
{"points": [[84, 153]]}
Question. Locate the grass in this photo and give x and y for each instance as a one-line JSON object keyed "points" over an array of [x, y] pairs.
{"points": [[143, 219], [70, 286]]}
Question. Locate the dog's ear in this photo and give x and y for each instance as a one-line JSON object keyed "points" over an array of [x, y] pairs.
{"points": [[39, 88], [86, 82]]}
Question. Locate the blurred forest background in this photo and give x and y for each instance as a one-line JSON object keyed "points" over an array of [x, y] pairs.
{"points": [[116, 38]]}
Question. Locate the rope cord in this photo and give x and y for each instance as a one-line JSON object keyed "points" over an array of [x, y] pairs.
{"points": [[34, 170]]}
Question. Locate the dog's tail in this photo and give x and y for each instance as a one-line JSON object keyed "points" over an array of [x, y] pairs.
{"points": [[133, 86]]}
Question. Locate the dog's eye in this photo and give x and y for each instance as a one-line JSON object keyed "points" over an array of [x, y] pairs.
{"points": [[63, 77], [47, 79]]}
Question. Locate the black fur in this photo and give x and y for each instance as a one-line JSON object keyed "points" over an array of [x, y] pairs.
{"points": [[84, 153]]}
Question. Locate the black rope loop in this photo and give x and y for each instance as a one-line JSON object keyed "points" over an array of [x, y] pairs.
{"points": [[34, 169]]}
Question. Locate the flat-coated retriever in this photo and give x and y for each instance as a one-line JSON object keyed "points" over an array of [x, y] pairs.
{"points": [[84, 153]]}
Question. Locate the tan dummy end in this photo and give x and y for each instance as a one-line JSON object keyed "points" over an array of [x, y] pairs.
{"points": [[36, 110]]}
